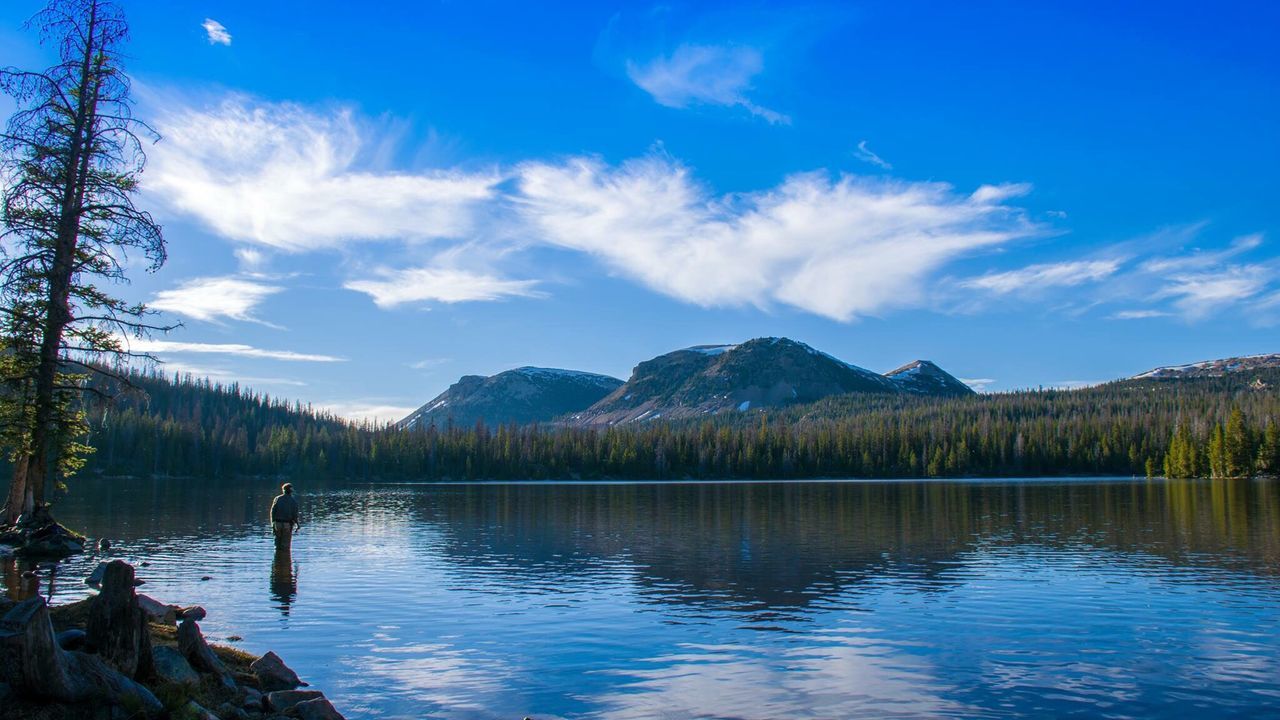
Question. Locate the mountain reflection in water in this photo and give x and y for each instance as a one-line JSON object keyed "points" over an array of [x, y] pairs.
{"points": [[1123, 598]]}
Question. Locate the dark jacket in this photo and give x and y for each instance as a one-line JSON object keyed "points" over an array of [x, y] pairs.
{"points": [[284, 509]]}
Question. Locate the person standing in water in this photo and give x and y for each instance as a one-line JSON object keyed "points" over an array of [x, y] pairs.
{"points": [[284, 516]]}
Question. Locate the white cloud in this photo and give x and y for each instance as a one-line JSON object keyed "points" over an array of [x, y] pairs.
{"points": [[166, 346], [839, 247], [213, 298], [1138, 314], [429, 363], [1201, 260], [1192, 284], [360, 411], [865, 154], [978, 384], [1048, 275], [1198, 295], [291, 178], [704, 75], [439, 284], [218, 34], [1000, 193], [223, 375]]}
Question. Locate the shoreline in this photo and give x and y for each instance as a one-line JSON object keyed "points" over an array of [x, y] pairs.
{"points": [[136, 657]]}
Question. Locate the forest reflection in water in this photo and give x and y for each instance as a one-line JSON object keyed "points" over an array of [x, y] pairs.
{"points": [[967, 598]]}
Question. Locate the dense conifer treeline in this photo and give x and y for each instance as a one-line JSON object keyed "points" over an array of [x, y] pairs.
{"points": [[1185, 428]]}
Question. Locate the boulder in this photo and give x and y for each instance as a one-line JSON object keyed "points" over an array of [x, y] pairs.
{"points": [[33, 665], [282, 700], [156, 611], [172, 667], [44, 538], [72, 639], [195, 612], [273, 674], [192, 645], [250, 699], [317, 709], [117, 626], [228, 711], [95, 578], [194, 711]]}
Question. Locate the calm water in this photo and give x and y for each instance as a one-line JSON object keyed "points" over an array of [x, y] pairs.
{"points": [[1098, 598]]}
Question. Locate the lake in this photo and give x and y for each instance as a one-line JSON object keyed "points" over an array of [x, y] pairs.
{"points": [[1106, 598]]}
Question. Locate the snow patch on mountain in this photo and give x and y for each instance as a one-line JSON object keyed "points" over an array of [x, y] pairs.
{"points": [[712, 350], [1213, 368]]}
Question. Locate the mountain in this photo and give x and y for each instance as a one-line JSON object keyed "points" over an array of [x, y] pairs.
{"points": [[765, 372], [1212, 368], [923, 377], [524, 395]]}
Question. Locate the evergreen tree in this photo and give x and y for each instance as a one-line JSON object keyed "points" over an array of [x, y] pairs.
{"points": [[1238, 448], [72, 154], [1217, 453], [1269, 449]]}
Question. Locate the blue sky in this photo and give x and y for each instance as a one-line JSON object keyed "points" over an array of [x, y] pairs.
{"points": [[364, 201]]}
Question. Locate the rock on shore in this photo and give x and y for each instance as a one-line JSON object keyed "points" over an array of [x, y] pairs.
{"points": [[118, 656], [37, 535]]}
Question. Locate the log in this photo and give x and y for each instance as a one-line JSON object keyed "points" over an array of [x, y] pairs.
{"points": [[117, 625], [33, 665]]}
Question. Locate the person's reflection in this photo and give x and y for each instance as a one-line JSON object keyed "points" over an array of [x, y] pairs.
{"points": [[284, 578]]}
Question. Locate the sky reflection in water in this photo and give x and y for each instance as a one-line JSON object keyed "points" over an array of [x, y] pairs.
{"points": [[965, 599]]}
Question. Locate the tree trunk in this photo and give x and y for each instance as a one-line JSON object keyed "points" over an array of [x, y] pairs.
{"points": [[34, 666], [63, 267], [117, 625], [17, 492]]}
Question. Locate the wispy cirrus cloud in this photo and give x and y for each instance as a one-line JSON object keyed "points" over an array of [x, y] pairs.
{"points": [[839, 247], [280, 178], [864, 153], [178, 368], [372, 411], [430, 363], [1044, 276], [148, 345], [216, 32], [1202, 294], [1153, 277], [394, 287], [1139, 314], [996, 194], [695, 74], [213, 299], [296, 179]]}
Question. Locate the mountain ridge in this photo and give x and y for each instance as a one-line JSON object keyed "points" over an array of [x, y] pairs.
{"points": [[699, 380], [522, 395], [1212, 368]]}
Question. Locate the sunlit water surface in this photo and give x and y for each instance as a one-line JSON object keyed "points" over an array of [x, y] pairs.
{"points": [[1041, 598]]}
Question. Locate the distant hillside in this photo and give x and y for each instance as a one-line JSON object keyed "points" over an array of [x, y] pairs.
{"points": [[198, 429], [922, 377], [524, 395], [761, 373], [1213, 368]]}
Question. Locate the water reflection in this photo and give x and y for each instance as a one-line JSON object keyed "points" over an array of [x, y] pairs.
{"points": [[284, 578], [965, 599], [755, 546]]}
